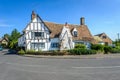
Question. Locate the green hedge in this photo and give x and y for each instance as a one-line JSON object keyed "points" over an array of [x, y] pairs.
{"points": [[107, 49], [69, 52], [97, 47], [46, 52], [114, 50], [80, 46], [81, 52]]}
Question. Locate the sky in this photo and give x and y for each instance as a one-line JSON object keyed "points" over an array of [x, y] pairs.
{"points": [[100, 15]]}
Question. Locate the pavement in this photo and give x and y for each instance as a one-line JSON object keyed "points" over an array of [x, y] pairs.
{"points": [[15, 67], [76, 56]]}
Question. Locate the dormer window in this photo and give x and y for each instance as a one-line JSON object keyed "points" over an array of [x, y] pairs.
{"points": [[75, 33]]}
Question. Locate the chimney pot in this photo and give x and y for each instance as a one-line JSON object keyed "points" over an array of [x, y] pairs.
{"points": [[82, 19], [33, 15]]}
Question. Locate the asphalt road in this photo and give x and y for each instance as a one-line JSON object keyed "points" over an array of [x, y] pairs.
{"points": [[14, 67]]}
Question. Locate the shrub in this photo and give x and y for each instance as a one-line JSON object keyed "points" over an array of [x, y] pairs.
{"points": [[115, 50], [117, 47], [55, 52], [92, 52], [21, 52], [74, 52], [4, 45], [30, 52], [107, 49], [97, 47], [81, 52], [80, 46]]}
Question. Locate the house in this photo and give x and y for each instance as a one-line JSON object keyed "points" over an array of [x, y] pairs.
{"points": [[103, 39], [45, 36], [4, 41]]}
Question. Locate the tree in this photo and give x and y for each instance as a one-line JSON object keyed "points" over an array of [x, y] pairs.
{"points": [[6, 36], [13, 39]]}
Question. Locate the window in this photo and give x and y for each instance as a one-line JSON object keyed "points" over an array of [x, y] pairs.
{"points": [[39, 34], [104, 37], [54, 45], [37, 46], [79, 42], [75, 33]]}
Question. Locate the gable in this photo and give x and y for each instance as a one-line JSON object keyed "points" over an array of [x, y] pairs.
{"points": [[37, 25], [105, 38]]}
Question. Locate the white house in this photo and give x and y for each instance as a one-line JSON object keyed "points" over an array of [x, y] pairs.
{"points": [[45, 36]]}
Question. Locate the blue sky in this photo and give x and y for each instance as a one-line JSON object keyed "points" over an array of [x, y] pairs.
{"points": [[100, 15]]}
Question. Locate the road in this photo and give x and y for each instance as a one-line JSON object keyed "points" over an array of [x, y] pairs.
{"points": [[14, 67]]}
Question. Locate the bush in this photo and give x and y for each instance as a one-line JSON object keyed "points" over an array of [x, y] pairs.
{"points": [[81, 52], [107, 49], [21, 52], [115, 50], [97, 47], [92, 52], [4, 45], [80, 46], [74, 52], [117, 47], [52, 53], [32, 52]]}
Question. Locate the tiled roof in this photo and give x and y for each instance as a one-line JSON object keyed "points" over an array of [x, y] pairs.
{"points": [[83, 31], [107, 39], [99, 34]]}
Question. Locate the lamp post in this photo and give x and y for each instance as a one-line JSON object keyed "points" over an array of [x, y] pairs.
{"points": [[118, 36]]}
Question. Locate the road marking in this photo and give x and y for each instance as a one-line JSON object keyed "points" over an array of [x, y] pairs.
{"points": [[102, 67]]}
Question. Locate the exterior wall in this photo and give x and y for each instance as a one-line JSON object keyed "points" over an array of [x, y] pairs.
{"points": [[54, 40], [28, 40], [30, 47], [66, 39], [48, 46]]}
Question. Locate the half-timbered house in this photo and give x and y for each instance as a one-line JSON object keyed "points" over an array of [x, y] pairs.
{"points": [[45, 36]]}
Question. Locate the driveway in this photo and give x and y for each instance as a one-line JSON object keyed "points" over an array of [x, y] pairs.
{"points": [[14, 67]]}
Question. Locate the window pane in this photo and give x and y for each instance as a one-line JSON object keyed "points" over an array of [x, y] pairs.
{"points": [[39, 34], [54, 45], [37, 46], [75, 33]]}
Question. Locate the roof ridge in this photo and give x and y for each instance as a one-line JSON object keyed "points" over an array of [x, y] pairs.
{"points": [[61, 23]]}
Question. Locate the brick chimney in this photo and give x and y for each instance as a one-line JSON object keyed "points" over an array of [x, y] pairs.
{"points": [[82, 21], [33, 15]]}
